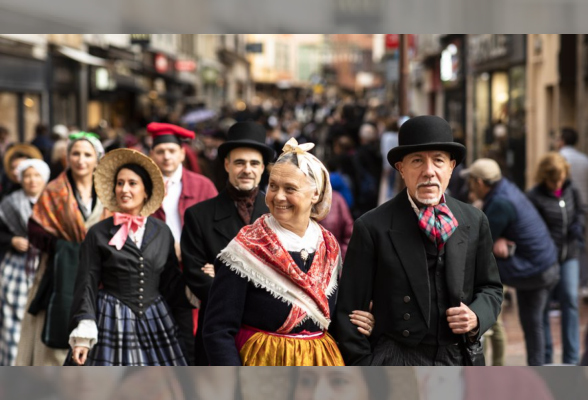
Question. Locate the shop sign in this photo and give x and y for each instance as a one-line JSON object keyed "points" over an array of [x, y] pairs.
{"points": [[392, 41], [141, 38], [450, 68], [209, 75], [161, 63], [254, 47], [185, 65], [488, 47]]}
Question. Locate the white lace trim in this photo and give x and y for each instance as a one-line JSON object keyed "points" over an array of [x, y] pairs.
{"points": [[241, 261], [85, 334]]}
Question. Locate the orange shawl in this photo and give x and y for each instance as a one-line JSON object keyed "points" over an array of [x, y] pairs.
{"points": [[58, 213]]}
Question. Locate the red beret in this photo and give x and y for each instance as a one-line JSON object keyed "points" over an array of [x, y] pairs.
{"points": [[175, 133]]}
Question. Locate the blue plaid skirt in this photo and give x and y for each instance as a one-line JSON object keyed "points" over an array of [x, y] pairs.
{"points": [[14, 290], [127, 340]]}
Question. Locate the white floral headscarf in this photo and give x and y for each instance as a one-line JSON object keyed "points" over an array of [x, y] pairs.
{"points": [[312, 166]]}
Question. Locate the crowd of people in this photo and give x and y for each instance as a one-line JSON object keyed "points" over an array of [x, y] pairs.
{"points": [[304, 233]]}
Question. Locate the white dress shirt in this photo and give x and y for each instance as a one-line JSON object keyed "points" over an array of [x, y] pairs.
{"points": [[171, 201]]}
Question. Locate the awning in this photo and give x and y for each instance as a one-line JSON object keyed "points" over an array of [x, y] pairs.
{"points": [[82, 57]]}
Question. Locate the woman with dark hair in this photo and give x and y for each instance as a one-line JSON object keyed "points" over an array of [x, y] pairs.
{"points": [[339, 383], [129, 274]]}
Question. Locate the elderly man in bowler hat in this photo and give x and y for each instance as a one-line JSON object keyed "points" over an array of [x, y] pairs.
{"points": [[212, 224], [424, 258]]}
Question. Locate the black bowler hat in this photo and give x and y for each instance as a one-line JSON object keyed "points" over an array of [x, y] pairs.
{"points": [[425, 133], [246, 134]]}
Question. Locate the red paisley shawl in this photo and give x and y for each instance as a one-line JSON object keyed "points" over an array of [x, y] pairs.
{"points": [[261, 242]]}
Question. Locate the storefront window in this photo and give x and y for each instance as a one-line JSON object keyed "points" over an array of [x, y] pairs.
{"points": [[500, 97], [9, 113], [65, 110], [32, 114], [516, 125], [481, 114]]}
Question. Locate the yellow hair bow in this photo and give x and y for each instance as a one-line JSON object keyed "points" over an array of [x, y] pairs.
{"points": [[292, 146]]}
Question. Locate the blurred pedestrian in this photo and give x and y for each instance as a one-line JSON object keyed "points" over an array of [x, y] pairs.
{"points": [[58, 161], [20, 259], [566, 144], [368, 166], [15, 154], [559, 204], [524, 251], [43, 142], [129, 324], [339, 222], [65, 211]]}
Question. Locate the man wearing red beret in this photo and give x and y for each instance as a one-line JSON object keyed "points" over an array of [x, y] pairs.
{"points": [[184, 189]]}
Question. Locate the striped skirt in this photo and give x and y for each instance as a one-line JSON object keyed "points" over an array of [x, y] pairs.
{"points": [[14, 290], [127, 340]]}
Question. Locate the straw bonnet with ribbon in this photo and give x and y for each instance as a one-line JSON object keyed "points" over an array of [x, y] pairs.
{"points": [[104, 179], [312, 166], [425, 133], [18, 149]]}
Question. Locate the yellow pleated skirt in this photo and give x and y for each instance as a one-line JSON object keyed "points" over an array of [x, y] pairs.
{"points": [[264, 348]]}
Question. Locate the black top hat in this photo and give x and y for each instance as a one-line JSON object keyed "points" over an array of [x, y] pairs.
{"points": [[247, 134], [425, 133]]}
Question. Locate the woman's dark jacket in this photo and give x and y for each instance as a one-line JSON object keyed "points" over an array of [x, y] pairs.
{"points": [[563, 216]]}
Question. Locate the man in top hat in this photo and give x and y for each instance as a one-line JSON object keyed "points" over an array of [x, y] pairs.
{"points": [[212, 224], [183, 189], [424, 258]]}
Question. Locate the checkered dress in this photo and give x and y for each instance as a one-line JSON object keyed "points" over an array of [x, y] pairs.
{"points": [[126, 340], [14, 289]]}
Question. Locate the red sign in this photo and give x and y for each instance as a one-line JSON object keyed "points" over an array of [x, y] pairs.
{"points": [[392, 41], [186, 65], [161, 63]]}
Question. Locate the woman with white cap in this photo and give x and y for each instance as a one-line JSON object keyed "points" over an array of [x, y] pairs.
{"points": [[21, 258]]}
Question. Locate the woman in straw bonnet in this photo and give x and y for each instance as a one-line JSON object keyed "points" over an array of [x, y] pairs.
{"points": [[275, 285], [20, 258], [62, 215], [127, 266]]}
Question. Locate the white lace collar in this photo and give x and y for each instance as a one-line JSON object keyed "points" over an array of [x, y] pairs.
{"points": [[293, 242]]}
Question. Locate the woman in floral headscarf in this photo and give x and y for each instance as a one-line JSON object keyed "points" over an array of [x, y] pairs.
{"points": [[61, 217], [275, 285]]}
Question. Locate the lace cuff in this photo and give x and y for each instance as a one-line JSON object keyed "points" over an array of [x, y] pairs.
{"points": [[85, 334]]}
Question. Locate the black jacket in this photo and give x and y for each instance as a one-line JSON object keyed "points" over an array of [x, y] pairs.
{"points": [[386, 262], [134, 276], [565, 224], [209, 226]]}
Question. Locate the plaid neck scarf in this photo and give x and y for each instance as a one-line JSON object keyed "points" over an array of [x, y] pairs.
{"points": [[438, 223]]}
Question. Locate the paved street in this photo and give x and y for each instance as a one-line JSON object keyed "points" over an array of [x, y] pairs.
{"points": [[515, 354]]}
